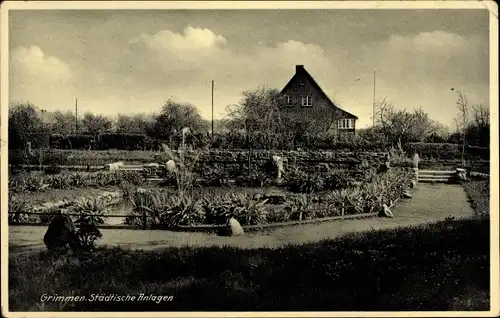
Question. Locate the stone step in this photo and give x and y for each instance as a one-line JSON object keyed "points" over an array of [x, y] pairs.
{"points": [[437, 180], [431, 176], [436, 172], [436, 175]]}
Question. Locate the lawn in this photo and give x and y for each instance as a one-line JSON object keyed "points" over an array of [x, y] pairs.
{"points": [[440, 266], [437, 266], [478, 192]]}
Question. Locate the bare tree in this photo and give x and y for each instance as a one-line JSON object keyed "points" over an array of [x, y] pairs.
{"points": [[395, 124], [96, 124], [462, 119]]}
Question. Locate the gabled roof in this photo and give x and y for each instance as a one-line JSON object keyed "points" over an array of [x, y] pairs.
{"points": [[301, 71]]}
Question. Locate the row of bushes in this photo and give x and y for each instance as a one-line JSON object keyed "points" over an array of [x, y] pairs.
{"points": [[446, 151], [35, 183], [167, 209], [98, 158], [221, 140], [296, 180], [103, 142], [257, 140], [170, 210]]}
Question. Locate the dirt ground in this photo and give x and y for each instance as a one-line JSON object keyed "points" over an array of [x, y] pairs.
{"points": [[430, 203]]}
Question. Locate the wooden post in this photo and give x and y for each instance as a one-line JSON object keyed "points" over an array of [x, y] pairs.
{"points": [[144, 220], [343, 210]]}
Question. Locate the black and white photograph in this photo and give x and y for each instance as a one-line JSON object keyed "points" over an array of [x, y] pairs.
{"points": [[230, 158]]}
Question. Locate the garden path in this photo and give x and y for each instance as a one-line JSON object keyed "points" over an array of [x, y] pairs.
{"points": [[430, 203]]}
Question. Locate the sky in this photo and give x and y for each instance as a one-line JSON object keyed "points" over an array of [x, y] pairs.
{"points": [[133, 61]]}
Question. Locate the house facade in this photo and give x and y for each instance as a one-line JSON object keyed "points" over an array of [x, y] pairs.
{"points": [[304, 96]]}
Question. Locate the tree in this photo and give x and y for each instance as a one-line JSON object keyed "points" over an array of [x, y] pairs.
{"points": [[258, 110], [462, 119], [395, 124], [478, 129], [136, 124], [63, 123], [422, 126], [23, 120], [174, 117], [96, 124], [401, 126]]}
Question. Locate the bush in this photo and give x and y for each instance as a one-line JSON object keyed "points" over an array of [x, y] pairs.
{"points": [[22, 183], [165, 210], [75, 141], [122, 141], [445, 151], [245, 209], [92, 211]]}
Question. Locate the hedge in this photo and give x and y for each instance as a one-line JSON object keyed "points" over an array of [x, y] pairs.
{"points": [[445, 151]]}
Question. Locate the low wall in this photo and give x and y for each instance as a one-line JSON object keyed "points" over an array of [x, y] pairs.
{"points": [[257, 160]]}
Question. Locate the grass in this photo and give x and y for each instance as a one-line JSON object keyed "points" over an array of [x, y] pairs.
{"points": [[478, 192], [438, 266]]}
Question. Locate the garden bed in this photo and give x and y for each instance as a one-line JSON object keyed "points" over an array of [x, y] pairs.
{"points": [[169, 209]]}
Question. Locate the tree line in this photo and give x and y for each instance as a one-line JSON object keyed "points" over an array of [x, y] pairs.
{"points": [[260, 112]]}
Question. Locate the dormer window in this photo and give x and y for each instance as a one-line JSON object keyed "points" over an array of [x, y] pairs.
{"points": [[307, 101], [288, 100]]}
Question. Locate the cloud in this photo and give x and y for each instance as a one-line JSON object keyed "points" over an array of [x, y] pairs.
{"points": [[419, 70], [436, 43], [191, 39], [156, 66], [207, 51], [140, 71], [38, 78]]}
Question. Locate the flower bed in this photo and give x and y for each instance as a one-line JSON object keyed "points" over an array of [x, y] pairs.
{"points": [[22, 212], [22, 183], [165, 210]]}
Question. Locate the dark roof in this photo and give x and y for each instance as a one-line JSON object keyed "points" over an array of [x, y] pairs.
{"points": [[300, 70]]}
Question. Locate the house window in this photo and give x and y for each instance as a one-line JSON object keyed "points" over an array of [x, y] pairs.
{"points": [[346, 124], [289, 100], [307, 101]]}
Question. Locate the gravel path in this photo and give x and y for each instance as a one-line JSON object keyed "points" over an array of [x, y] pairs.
{"points": [[430, 203]]}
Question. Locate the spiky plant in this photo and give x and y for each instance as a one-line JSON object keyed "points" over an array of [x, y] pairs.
{"points": [[298, 206], [17, 210], [91, 212]]}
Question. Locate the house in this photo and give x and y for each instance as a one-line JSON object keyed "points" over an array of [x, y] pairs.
{"points": [[304, 96]]}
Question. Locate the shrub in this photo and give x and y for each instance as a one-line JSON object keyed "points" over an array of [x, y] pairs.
{"points": [[181, 209], [17, 211], [91, 213], [245, 209], [446, 151], [298, 207], [122, 141], [385, 188], [23, 183], [165, 210], [217, 176], [300, 181]]}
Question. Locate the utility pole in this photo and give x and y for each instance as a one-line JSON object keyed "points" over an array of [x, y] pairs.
{"points": [[76, 115], [373, 112], [212, 108]]}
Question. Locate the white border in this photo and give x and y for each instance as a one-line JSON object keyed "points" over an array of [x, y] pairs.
{"points": [[123, 5]]}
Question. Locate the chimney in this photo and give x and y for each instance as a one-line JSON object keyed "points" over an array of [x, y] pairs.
{"points": [[299, 68]]}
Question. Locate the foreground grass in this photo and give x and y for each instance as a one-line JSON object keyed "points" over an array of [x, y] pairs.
{"points": [[478, 192], [441, 266]]}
